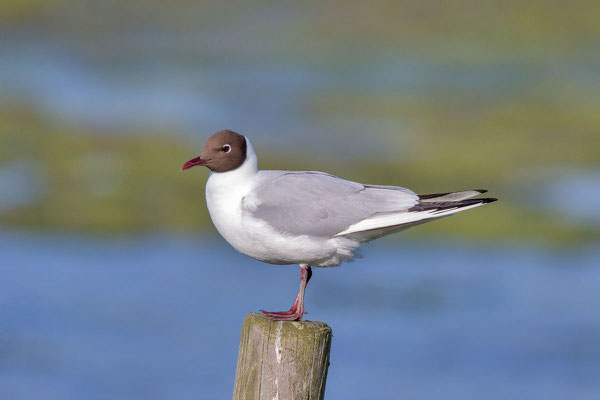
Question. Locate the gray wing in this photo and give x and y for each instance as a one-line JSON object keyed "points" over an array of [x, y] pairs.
{"points": [[319, 204]]}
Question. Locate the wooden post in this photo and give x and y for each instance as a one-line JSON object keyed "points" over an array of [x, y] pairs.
{"points": [[282, 360]]}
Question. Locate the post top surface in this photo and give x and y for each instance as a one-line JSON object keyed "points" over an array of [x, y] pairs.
{"points": [[263, 321]]}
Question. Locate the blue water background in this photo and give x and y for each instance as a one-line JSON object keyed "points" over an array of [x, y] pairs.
{"points": [[158, 317]]}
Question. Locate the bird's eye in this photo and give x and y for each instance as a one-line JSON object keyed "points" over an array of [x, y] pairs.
{"points": [[226, 148]]}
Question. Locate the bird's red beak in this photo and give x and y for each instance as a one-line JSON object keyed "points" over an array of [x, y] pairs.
{"points": [[192, 163]]}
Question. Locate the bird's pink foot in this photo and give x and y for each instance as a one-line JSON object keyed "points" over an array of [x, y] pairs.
{"points": [[291, 315]]}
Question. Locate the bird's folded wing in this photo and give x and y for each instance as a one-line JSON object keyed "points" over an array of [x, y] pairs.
{"points": [[319, 204]]}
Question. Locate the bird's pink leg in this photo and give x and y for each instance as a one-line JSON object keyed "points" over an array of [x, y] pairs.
{"points": [[297, 310]]}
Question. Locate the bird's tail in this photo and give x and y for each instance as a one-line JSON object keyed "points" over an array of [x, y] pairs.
{"points": [[429, 207]]}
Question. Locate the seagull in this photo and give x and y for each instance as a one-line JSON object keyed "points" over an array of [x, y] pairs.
{"points": [[309, 218]]}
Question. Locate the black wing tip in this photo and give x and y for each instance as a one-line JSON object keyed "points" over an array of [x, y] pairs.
{"points": [[435, 195], [440, 206], [488, 200]]}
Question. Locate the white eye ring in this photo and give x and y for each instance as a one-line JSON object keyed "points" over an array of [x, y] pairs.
{"points": [[226, 148]]}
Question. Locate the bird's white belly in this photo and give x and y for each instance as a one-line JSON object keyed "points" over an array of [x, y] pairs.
{"points": [[255, 238]]}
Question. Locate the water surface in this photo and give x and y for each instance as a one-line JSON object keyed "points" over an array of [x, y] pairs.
{"points": [[159, 317]]}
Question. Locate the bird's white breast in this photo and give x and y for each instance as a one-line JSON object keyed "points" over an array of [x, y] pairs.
{"points": [[224, 194]]}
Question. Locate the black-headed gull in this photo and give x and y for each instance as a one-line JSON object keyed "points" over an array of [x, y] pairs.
{"points": [[309, 218]]}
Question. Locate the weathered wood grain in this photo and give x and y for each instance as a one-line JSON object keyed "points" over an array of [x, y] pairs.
{"points": [[282, 360]]}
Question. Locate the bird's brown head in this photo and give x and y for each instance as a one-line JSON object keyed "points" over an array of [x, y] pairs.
{"points": [[224, 151]]}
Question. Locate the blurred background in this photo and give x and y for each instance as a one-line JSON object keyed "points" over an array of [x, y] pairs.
{"points": [[116, 285]]}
